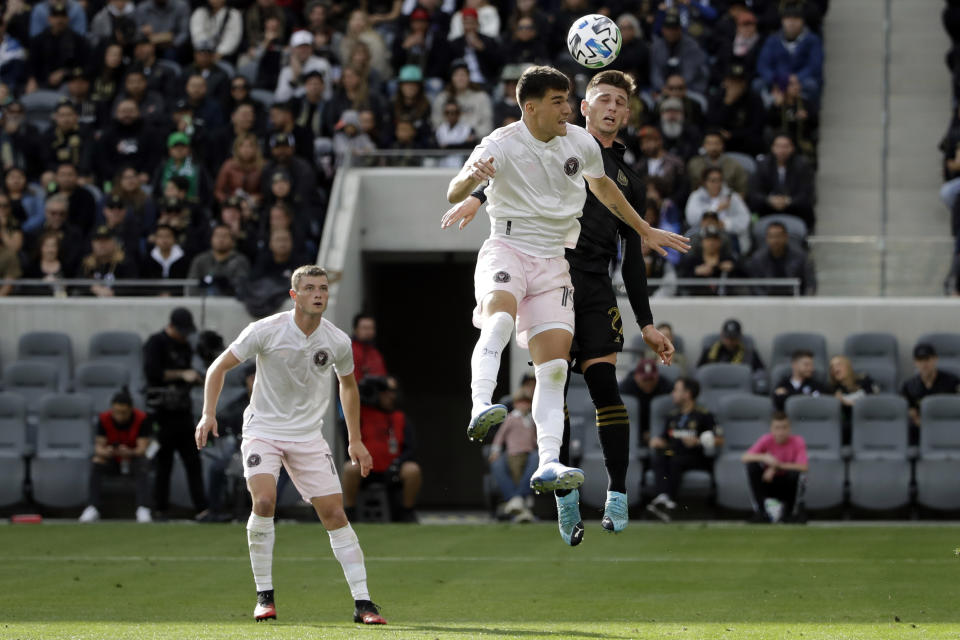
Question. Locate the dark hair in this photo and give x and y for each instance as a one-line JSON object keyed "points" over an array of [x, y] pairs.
{"points": [[660, 185], [536, 81], [800, 353], [782, 134], [779, 416], [708, 170], [167, 227], [715, 133], [122, 397], [691, 385], [664, 324], [135, 71], [362, 316], [777, 224], [614, 78]]}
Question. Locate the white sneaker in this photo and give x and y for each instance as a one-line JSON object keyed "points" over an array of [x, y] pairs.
{"points": [[90, 514], [664, 500], [514, 505], [143, 515], [524, 516]]}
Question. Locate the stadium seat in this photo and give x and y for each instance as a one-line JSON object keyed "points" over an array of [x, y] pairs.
{"points": [[263, 96], [748, 163], [660, 407], [778, 372], [870, 347], [817, 419], [593, 493], [32, 380], [883, 373], [796, 228], [638, 347], [227, 68], [784, 344], [171, 65], [38, 107], [248, 70], [13, 447], [49, 346], [744, 419], [748, 343], [100, 381], [948, 349], [938, 469], [60, 471], [721, 379], [880, 470], [583, 418], [124, 348]]}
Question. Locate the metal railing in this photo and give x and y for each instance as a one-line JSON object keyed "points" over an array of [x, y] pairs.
{"points": [[722, 286], [132, 286]]}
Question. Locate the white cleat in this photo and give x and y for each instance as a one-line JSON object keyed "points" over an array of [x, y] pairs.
{"points": [[553, 475]]}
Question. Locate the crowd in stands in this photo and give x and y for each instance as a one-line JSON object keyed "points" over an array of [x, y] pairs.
{"points": [[950, 144], [175, 139]]}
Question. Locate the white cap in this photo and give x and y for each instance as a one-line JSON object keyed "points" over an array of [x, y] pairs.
{"points": [[301, 37]]}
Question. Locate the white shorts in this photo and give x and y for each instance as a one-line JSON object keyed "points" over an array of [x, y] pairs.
{"points": [[310, 464], [541, 286]]}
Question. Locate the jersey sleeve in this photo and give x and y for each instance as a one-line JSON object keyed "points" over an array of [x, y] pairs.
{"points": [[488, 148], [592, 158], [247, 344], [343, 358]]}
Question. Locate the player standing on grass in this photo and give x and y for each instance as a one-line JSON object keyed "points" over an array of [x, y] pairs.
{"points": [[536, 170], [295, 351], [598, 334]]}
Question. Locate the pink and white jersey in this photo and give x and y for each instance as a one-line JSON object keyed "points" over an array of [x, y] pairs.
{"points": [[538, 191], [293, 386]]}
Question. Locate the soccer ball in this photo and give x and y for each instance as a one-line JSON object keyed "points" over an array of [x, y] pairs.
{"points": [[594, 41]]}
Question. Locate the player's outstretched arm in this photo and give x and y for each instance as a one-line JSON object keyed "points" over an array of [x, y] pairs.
{"points": [[211, 394], [464, 212], [469, 178], [350, 399], [659, 240]]}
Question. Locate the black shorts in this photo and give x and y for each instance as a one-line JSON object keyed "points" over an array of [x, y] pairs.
{"points": [[599, 327]]}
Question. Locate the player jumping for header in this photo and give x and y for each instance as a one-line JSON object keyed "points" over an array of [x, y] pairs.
{"points": [[295, 352], [536, 170]]}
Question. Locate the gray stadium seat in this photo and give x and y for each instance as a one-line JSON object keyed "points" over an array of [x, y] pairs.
{"points": [[784, 344], [38, 107], [869, 347], [593, 493], [733, 487], [13, 447], [883, 373], [879, 470], [948, 349], [638, 347], [100, 381], [722, 379], [744, 419], [122, 347], [171, 65], [248, 70], [49, 346], [60, 471], [748, 163], [32, 380], [262, 96], [583, 418], [660, 406], [817, 419], [796, 228], [938, 469]]}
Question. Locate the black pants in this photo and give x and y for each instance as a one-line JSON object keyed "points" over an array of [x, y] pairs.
{"points": [[139, 468], [668, 469], [176, 435], [783, 487]]}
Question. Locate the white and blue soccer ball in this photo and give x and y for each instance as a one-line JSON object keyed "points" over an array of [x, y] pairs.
{"points": [[594, 41]]}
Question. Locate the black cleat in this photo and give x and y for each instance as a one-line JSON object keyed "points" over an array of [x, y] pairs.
{"points": [[367, 613], [265, 609]]}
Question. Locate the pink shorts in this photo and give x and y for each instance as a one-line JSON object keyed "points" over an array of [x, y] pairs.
{"points": [[541, 286], [310, 464]]}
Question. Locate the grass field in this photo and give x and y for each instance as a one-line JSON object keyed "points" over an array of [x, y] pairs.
{"points": [[120, 580]]}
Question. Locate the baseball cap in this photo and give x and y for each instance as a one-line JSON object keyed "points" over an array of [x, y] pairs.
{"points": [[348, 117], [710, 231], [671, 20], [793, 10], [182, 321], [647, 369], [469, 12], [410, 73], [177, 137], [300, 38], [458, 63], [58, 9], [204, 45], [737, 71], [923, 351], [114, 202], [281, 140], [313, 73], [102, 232], [419, 14], [671, 104], [280, 174], [171, 204], [76, 73], [731, 329]]}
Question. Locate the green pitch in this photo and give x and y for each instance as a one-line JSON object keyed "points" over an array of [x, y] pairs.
{"points": [[434, 582]]}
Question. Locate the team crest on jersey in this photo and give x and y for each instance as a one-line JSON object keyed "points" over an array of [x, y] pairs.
{"points": [[571, 166], [321, 357], [253, 459], [501, 276], [621, 178]]}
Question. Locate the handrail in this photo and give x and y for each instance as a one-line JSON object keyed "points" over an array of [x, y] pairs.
{"points": [[793, 283]]}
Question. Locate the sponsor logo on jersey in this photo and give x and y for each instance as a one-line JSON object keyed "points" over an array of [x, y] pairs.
{"points": [[621, 178], [253, 459], [501, 276], [571, 166], [321, 358]]}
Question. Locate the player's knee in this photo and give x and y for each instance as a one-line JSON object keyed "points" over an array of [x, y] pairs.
{"points": [[332, 517], [552, 374], [264, 505]]}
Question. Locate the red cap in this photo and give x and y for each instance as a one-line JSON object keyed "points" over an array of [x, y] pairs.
{"points": [[469, 11], [419, 14]]}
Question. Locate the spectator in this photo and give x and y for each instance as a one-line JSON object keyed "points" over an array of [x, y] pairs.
{"points": [[513, 459], [301, 173], [128, 140], [124, 227], [56, 210], [367, 359], [22, 140], [695, 17], [802, 380], [791, 113], [120, 448], [81, 203], [410, 102], [389, 437], [240, 216], [279, 261], [677, 51], [177, 214], [73, 11], [310, 113], [741, 50], [688, 441], [242, 122], [181, 163], [674, 86], [668, 216], [658, 162], [405, 139], [529, 9], [54, 50], [780, 258], [151, 104], [220, 26], [775, 463], [206, 111], [166, 23], [527, 44], [282, 122], [205, 64], [420, 46], [67, 142], [634, 56], [240, 175], [302, 61], [454, 132], [221, 270], [140, 206], [480, 52], [240, 93], [710, 260], [48, 263], [108, 19], [360, 31], [680, 137], [928, 380], [10, 236], [166, 260], [78, 94], [349, 138], [255, 21], [506, 109], [734, 175], [486, 15], [108, 82], [679, 358], [13, 61], [848, 387], [792, 51], [715, 195], [166, 366], [738, 113], [107, 263], [731, 348], [645, 384], [161, 79], [784, 183]]}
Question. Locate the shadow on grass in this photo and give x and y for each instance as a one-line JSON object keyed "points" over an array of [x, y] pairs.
{"points": [[506, 633]]}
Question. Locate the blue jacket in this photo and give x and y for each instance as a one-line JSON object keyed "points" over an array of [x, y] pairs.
{"points": [[41, 12], [776, 63]]}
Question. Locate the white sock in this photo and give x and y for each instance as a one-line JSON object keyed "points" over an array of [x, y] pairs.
{"points": [[260, 540], [548, 407], [347, 550], [485, 362]]}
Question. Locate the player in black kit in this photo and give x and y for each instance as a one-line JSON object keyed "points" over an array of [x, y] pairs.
{"points": [[599, 329]]}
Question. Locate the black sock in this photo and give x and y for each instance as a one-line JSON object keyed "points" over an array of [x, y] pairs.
{"points": [[613, 425]]}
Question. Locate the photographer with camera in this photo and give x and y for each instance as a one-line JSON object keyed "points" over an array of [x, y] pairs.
{"points": [[166, 366], [389, 438]]}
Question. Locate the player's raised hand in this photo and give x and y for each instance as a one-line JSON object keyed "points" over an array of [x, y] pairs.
{"points": [[463, 211], [206, 425], [483, 170], [660, 344], [660, 240], [359, 455]]}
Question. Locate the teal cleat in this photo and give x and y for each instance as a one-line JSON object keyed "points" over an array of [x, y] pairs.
{"points": [[487, 419], [615, 516], [568, 513]]}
